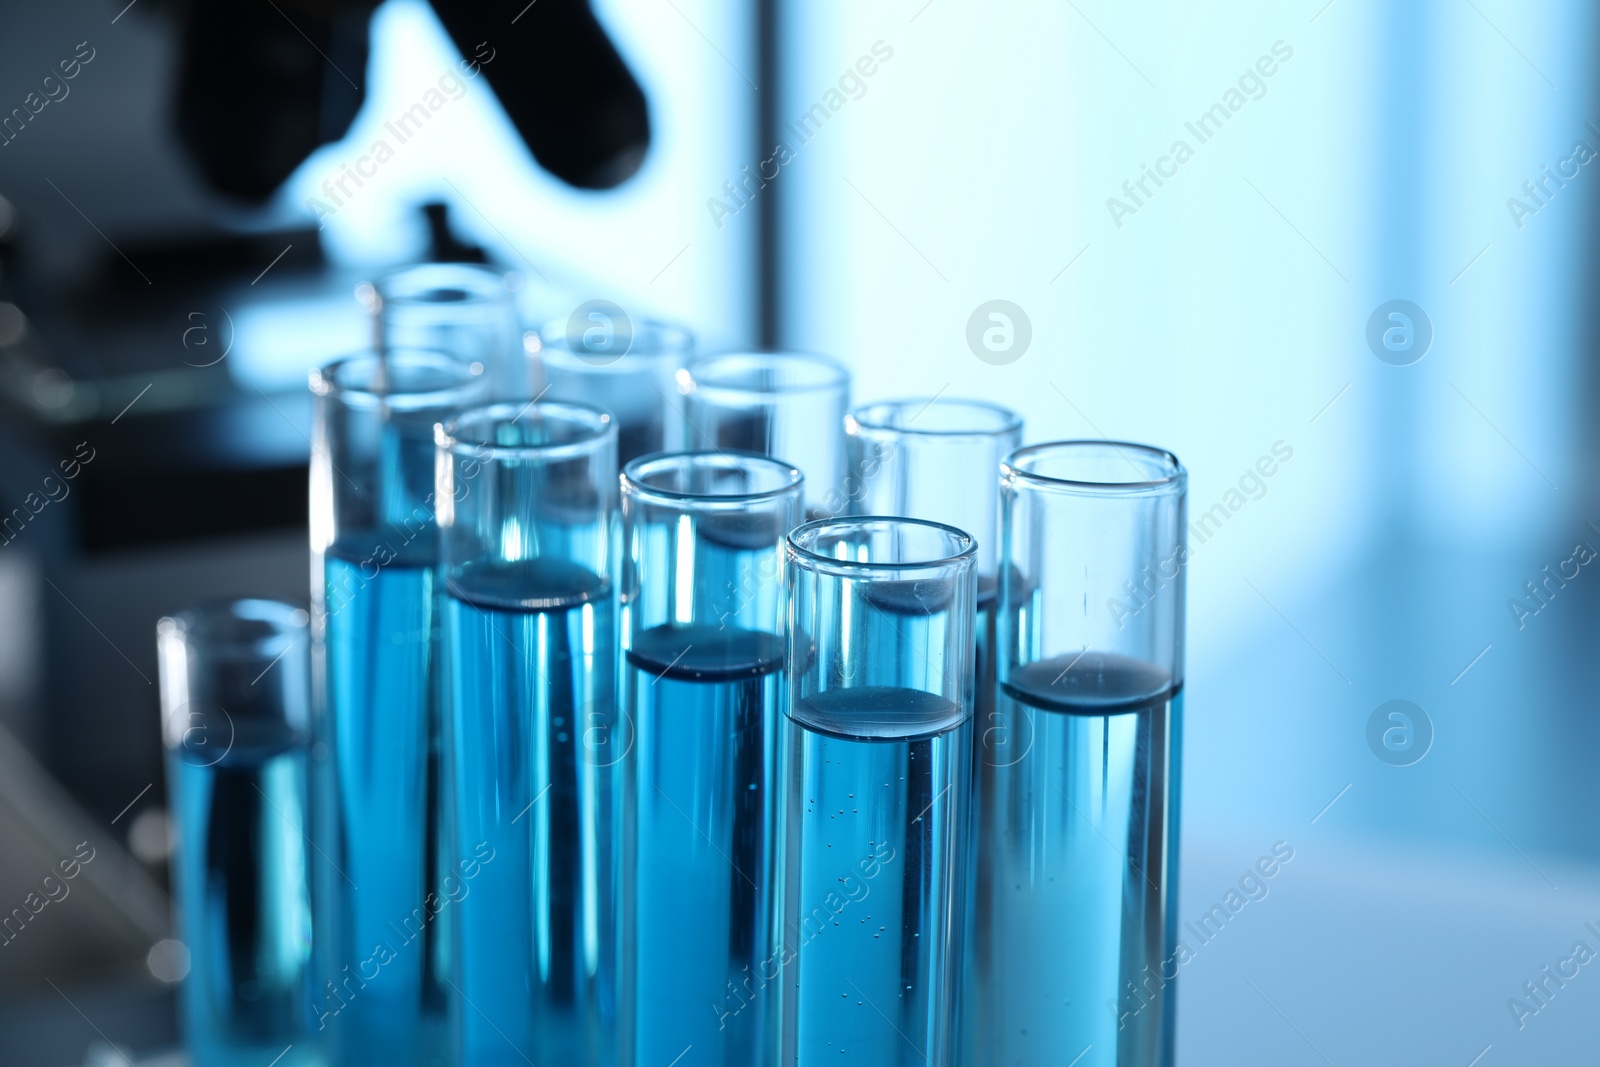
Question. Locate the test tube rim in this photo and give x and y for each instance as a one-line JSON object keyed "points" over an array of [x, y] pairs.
{"points": [[860, 418], [489, 285], [555, 346], [446, 434], [692, 378], [633, 487], [801, 555], [192, 624], [326, 380], [1013, 469]]}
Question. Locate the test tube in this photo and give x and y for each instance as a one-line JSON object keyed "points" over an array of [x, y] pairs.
{"points": [[527, 509], [383, 996], [874, 765], [702, 596], [1073, 947], [628, 368], [940, 460], [235, 721], [786, 405], [464, 310]]}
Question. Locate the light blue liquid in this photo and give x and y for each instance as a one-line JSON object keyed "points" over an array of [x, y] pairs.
{"points": [[244, 906], [704, 701], [536, 776], [875, 869], [1076, 831], [385, 743]]}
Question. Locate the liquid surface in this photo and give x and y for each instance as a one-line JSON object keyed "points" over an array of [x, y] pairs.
{"points": [[877, 712], [1076, 830], [703, 701], [912, 597], [1091, 683], [874, 832], [705, 653], [536, 780], [527, 585]]}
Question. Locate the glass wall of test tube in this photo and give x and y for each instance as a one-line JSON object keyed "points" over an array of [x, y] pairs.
{"points": [[702, 596], [873, 761], [378, 786], [787, 405], [1091, 680], [527, 510], [235, 708]]}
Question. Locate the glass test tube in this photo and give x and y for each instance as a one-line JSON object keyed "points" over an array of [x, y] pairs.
{"points": [[874, 764], [1077, 831], [629, 369], [787, 405], [463, 310], [235, 700], [940, 460], [528, 502], [378, 785], [702, 623]]}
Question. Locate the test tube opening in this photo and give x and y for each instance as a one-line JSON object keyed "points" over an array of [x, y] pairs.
{"points": [[601, 356], [1096, 466], [711, 478], [782, 404], [936, 416], [446, 285], [888, 545], [465, 310], [214, 658], [544, 431], [573, 346], [403, 380], [764, 373]]}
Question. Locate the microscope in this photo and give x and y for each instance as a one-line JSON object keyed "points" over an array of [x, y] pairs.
{"points": [[136, 471]]}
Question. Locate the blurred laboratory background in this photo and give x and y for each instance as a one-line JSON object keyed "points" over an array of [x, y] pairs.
{"points": [[1332, 253]]}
